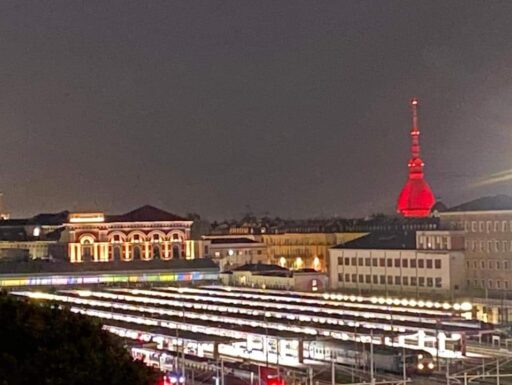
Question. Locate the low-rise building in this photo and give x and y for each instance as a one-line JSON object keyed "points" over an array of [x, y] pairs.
{"points": [[232, 251], [303, 250], [269, 276], [423, 262]]}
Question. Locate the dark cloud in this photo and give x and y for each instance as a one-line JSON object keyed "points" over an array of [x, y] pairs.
{"points": [[295, 108]]}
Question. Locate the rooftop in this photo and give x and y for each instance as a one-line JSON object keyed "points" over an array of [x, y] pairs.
{"points": [[145, 213], [488, 203], [405, 240], [215, 241]]}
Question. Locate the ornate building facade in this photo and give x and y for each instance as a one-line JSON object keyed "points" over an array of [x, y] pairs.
{"points": [[146, 233]]}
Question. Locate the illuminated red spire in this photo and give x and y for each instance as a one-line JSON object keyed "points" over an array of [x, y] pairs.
{"points": [[416, 198]]}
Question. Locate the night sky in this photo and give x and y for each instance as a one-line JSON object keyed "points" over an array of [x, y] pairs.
{"points": [[293, 108]]}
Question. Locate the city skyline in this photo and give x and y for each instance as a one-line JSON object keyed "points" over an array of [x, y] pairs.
{"points": [[297, 111]]}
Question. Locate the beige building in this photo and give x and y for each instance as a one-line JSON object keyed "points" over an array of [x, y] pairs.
{"points": [[423, 262], [304, 250], [487, 225], [268, 276]]}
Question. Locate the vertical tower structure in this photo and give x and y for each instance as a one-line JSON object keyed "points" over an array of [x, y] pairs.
{"points": [[416, 198]]}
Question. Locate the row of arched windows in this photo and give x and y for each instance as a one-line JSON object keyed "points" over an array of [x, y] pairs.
{"points": [[136, 252]]}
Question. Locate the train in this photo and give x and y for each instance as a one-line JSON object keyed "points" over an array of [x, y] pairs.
{"points": [[357, 354]]}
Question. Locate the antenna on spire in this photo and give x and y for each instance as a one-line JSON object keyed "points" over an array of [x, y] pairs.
{"points": [[414, 107]]}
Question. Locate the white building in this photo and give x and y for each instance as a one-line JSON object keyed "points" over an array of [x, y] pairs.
{"points": [[231, 251], [268, 276], [407, 262]]}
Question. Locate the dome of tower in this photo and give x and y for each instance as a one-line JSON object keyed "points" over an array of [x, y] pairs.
{"points": [[416, 198]]}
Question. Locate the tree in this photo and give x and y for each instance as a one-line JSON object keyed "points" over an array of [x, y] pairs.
{"points": [[41, 343]]}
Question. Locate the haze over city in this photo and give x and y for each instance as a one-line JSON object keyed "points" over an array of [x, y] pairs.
{"points": [[207, 106]]}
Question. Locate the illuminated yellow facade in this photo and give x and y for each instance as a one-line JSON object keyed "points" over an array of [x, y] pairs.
{"points": [[304, 250], [143, 234]]}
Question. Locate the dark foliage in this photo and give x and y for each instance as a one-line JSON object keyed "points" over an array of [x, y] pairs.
{"points": [[43, 344]]}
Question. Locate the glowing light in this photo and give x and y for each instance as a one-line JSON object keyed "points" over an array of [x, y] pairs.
{"points": [[86, 217], [465, 306], [420, 366], [431, 365]]}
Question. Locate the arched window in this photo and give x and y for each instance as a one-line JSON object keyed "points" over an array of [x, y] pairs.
{"points": [[176, 252], [156, 252], [87, 253], [136, 252], [116, 256]]}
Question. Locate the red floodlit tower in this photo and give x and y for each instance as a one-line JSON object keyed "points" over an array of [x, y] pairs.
{"points": [[416, 198]]}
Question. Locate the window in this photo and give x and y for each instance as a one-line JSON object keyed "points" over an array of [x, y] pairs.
{"points": [[489, 284], [136, 252], [489, 246], [347, 261], [354, 278], [176, 252], [375, 262], [496, 225], [368, 262], [413, 263], [497, 246], [354, 261], [405, 262], [467, 264], [504, 245], [422, 281], [382, 262], [473, 226], [503, 226], [361, 278], [117, 253], [429, 264], [156, 252], [382, 279], [420, 263], [439, 282], [414, 281], [340, 261], [405, 281], [397, 262], [474, 264], [482, 264], [491, 264], [498, 265], [498, 284], [156, 238], [368, 278], [375, 279], [390, 262], [390, 280], [398, 280], [473, 245], [360, 260], [340, 277], [488, 227], [481, 226], [437, 263], [430, 282], [347, 277]]}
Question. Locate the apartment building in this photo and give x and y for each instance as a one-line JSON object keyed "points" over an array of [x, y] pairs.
{"points": [[487, 225], [408, 263]]}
